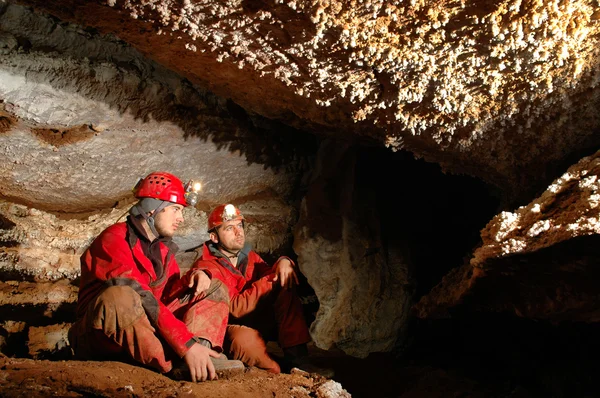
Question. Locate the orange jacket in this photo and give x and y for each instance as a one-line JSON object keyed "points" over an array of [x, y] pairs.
{"points": [[252, 278]]}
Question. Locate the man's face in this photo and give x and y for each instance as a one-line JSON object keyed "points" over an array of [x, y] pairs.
{"points": [[167, 221], [230, 234]]}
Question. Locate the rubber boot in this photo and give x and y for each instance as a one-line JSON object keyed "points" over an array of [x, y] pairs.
{"points": [[297, 357]]}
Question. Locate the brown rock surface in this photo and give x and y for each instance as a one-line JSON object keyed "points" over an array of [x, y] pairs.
{"points": [[539, 261]]}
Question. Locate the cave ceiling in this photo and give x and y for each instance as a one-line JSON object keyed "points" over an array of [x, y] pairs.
{"points": [[503, 91]]}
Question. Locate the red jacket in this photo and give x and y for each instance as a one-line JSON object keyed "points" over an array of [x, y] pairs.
{"points": [[116, 257], [252, 278]]}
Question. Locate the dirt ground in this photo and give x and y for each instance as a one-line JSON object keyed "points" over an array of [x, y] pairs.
{"points": [[376, 376], [489, 357], [26, 378], [30, 378]]}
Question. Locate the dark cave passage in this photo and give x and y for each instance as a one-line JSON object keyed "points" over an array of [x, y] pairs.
{"points": [[439, 216], [485, 355]]}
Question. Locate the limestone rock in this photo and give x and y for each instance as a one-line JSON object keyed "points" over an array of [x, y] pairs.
{"points": [[363, 285], [539, 261], [82, 141], [46, 341]]}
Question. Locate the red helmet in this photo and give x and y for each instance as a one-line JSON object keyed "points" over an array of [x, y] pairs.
{"points": [[163, 186], [223, 213]]}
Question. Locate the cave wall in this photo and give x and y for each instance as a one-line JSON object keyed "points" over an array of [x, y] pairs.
{"points": [[272, 107], [364, 285], [85, 116]]}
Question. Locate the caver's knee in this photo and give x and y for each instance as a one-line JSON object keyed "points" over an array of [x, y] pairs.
{"points": [[245, 336], [116, 308], [283, 294], [247, 345], [119, 297], [218, 291], [117, 294]]}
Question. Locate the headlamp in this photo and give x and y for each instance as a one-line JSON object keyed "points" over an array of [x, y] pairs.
{"points": [[192, 189], [138, 183], [229, 213]]}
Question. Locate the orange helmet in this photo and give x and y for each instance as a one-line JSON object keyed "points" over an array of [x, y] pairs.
{"points": [[163, 186], [222, 213]]}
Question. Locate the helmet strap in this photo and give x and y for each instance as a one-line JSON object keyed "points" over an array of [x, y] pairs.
{"points": [[222, 248], [150, 219]]}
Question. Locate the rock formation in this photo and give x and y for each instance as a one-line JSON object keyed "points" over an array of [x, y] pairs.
{"points": [[373, 140], [538, 262]]}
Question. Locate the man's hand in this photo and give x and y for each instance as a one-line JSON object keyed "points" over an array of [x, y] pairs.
{"points": [[285, 273], [200, 280], [198, 361]]}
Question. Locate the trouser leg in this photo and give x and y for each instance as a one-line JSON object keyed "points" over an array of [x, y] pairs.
{"points": [[247, 345], [115, 326], [289, 318], [277, 316]]}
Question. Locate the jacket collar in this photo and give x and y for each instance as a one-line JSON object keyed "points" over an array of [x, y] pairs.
{"points": [[211, 252], [142, 230]]}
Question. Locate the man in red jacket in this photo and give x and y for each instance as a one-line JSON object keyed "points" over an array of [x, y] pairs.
{"points": [[263, 301], [132, 302]]}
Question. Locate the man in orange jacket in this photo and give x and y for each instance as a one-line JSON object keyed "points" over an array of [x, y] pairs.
{"points": [[263, 301], [133, 304]]}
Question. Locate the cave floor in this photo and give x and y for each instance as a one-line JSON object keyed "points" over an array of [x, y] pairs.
{"points": [[371, 377], [495, 357]]}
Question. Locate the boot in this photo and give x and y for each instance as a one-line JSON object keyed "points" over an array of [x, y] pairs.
{"points": [[223, 367], [222, 364], [297, 357]]}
